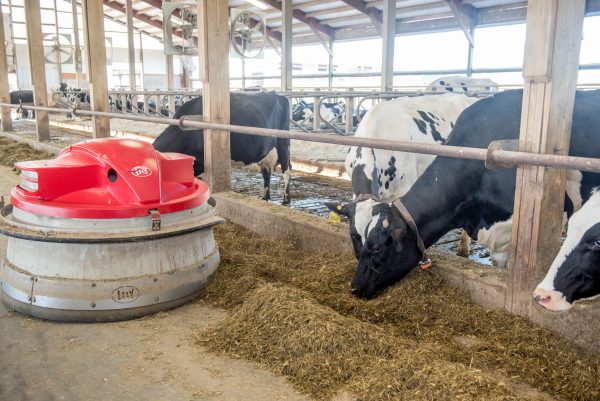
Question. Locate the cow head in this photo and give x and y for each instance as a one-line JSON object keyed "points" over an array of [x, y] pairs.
{"points": [[575, 272], [384, 245]]}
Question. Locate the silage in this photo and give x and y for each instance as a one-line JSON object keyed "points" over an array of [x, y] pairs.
{"points": [[421, 310]]}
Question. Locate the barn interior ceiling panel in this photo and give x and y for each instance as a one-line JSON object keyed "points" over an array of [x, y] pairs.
{"points": [[344, 19]]}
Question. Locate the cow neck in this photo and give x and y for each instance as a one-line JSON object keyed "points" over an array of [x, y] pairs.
{"points": [[433, 201]]}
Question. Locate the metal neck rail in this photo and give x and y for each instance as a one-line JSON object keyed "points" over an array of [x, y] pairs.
{"points": [[494, 156]]}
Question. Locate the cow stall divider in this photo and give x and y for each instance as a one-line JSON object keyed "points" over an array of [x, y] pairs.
{"points": [[155, 103]]}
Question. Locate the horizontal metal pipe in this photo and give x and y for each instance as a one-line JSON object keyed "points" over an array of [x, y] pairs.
{"points": [[504, 157], [369, 74]]}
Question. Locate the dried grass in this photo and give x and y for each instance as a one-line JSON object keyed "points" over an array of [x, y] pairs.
{"points": [[12, 152], [294, 306]]}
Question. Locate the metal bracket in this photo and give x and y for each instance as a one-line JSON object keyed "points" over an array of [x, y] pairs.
{"points": [[155, 215], [505, 144], [183, 119]]}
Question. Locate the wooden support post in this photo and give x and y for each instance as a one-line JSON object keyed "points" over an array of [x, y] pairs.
{"points": [[142, 85], [37, 65], [286, 46], [330, 66], [552, 47], [349, 114], [213, 51], [316, 112], [77, 50], [389, 34], [4, 89], [186, 76], [59, 52], [471, 48], [14, 46], [131, 47], [93, 29], [170, 83]]}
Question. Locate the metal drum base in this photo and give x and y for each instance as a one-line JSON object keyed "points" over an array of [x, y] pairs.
{"points": [[102, 300], [96, 270]]}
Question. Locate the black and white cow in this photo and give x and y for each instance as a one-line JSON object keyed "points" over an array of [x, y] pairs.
{"points": [[459, 84], [575, 272], [261, 110], [303, 112], [426, 119], [458, 193], [23, 97]]}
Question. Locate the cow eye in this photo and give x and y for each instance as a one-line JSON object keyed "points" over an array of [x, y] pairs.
{"points": [[375, 249], [597, 243]]}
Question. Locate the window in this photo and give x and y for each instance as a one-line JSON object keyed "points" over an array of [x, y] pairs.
{"points": [[499, 47]]}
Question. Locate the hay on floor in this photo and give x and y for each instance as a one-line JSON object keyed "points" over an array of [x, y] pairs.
{"points": [[489, 354]]}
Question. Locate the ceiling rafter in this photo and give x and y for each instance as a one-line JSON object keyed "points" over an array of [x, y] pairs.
{"points": [[373, 13], [465, 14], [270, 32], [301, 16], [140, 17]]}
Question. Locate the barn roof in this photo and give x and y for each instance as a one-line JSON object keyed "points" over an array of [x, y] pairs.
{"points": [[352, 19]]}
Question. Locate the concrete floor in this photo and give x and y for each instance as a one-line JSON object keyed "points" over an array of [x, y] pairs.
{"points": [[153, 358]]}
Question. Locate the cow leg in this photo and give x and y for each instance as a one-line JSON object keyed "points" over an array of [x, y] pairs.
{"points": [[287, 176], [464, 246], [266, 173]]}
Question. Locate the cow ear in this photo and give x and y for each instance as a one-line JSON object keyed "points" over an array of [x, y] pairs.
{"points": [[338, 208]]}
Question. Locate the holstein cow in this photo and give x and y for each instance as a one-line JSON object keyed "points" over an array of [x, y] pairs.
{"points": [[22, 97], [575, 272], [457, 193], [388, 175], [303, 112], [262, 110], [458, 84]]}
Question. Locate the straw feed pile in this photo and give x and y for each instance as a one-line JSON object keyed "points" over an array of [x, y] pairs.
{"points": [[12, 152], [291, 312]]}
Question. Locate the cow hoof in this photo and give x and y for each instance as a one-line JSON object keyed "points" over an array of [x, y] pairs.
{"points": [[285, 201]]}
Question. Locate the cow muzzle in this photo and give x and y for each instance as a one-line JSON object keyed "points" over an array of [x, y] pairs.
{"points": [[552, 300]]}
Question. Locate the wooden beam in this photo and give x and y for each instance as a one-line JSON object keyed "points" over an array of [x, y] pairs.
{"points": [[140, 17], [329, 11], [552, 46], [142, 74], [470, 49], [4, 89], [58, 53], [213, 51], [37, 65], [131, 46], [389, 35], [77, 49], [464, 13], [301, 16], [170, 83], [93, 29], [286, 46], [374, 14]]}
